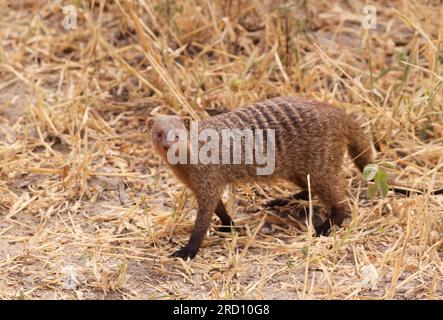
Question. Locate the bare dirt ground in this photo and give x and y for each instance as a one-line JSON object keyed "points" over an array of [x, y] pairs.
{"points": [[88, 211]]}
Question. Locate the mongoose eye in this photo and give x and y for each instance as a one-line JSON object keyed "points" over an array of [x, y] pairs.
{"points": [[159, 134]]}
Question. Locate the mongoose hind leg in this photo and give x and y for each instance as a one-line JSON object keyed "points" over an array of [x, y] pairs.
{"points": [[226, 220], [332, 195]]}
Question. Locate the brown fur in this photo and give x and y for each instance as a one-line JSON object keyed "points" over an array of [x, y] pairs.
{"points": [[311, 138]]}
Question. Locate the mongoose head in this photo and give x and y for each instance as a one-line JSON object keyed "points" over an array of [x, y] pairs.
{"points": [[165, 131]]}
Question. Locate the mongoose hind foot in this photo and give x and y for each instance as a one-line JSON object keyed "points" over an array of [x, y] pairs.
{"points": [[323, 229]]}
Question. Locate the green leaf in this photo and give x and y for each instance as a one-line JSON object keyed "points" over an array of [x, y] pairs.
{"points": [[381, 179], [384, 188], [370, 171], [372, 190]]}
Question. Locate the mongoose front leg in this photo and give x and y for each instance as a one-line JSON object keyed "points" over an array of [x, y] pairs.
{"points": [[332, 197], [225, 219], [206, 208]]}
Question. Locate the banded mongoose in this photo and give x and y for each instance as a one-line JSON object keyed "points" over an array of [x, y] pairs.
{"points": [[310, 139]]}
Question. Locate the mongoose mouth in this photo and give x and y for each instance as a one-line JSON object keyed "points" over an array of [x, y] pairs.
{"points": [[167, 146]]}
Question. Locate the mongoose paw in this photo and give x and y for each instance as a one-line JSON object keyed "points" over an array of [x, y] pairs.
{"points": [[323, 229], [184, 253]]}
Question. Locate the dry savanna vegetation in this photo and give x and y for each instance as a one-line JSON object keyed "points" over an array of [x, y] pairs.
{"points": [[88, 211]]}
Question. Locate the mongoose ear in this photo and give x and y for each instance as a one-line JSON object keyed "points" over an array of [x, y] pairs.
{"points": [[187, 122], [149, 123]]}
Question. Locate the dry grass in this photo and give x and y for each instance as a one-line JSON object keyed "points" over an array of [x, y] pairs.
{"points": [[88, 211]]}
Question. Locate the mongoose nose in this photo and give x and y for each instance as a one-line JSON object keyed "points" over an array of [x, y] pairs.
{"points": [[166, 148]]}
